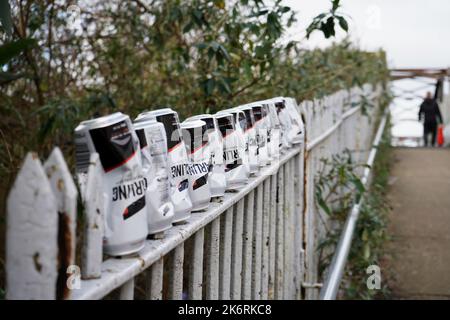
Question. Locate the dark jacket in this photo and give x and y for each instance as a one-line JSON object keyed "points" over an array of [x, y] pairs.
{"points": [[430, 110]]}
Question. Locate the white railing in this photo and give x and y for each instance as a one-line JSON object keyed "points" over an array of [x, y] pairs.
{"points": [[258, 243]]}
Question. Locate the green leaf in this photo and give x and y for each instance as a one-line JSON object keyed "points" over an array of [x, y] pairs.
{"points": [[320, 16], [365, 235], [11, 49], [323, 205], [214, 45], [366, 251], [5, 16], [261, 51], [188, 27], [343, 23], [219, 4], [201, 45], [223, 86], [46, 128], [258, 13], [224, 52], [209, 88], [335, 5], [328, 27]]}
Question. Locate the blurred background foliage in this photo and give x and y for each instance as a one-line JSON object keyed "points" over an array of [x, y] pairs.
{"points": [[63, 61]]}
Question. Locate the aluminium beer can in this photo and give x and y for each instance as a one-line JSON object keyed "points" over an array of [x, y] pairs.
{"points": [[261, 133], [273, 133], [296, 120], [177, 160], [273, 126], [235, 171], [216, 180], [250, 136], [196, 140], [153, 146], [124, 184], [275, 144], [240, 126], [287, 132]]}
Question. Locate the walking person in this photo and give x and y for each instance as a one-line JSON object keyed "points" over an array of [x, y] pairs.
{"points": [[430, 113]]}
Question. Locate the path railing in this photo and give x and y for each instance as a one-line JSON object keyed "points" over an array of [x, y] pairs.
{"points": [[258, 243]]}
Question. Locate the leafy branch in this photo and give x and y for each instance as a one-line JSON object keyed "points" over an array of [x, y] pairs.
{"points": [[326, 22]]}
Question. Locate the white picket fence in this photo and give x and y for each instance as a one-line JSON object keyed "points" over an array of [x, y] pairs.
{"points": [[258, 243]]}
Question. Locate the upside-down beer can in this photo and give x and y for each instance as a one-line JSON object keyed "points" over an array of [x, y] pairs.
{"points": [[261, 133], [235, 172], [276, 131], [195, 138], [153, 145], [177, 160], [288, 132], [273, 134], [217, 180], [240, 126], [250, 136], [124, 184], [296, 119]]}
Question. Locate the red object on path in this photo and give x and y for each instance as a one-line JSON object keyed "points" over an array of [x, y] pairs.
{"points": [[440, 136]]}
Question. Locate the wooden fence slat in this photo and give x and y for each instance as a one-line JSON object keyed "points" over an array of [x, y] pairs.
{"points": [[65, 192], [272, 235], [175, 265], [288, 231], [309, 226], [94, 201], [31, 235], [196, 266], [236, 251], [127, 290], [247, 248], [265, 240], [299, 196], [257, 247], [226, 228], [279, 252], [154, 280], [212, 260]]}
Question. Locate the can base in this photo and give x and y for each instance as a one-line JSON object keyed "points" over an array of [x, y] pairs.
{"points": [[123, 250], [218, 195], [156, 236], [159, 229], [201, 207], [217, 199], [181, 222], [235, 188], [180, 218]]}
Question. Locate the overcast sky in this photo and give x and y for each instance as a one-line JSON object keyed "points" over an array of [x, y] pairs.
{"points": [[414, 33]]}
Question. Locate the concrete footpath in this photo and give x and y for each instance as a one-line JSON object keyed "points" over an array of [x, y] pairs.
{"points": [[419, 194]]}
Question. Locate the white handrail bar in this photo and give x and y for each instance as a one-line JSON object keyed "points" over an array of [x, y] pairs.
{"points": [[333, 281]]}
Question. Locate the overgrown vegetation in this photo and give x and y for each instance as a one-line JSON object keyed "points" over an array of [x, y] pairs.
{"points": [[338, 187], [64, 61], [196, 56]]}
